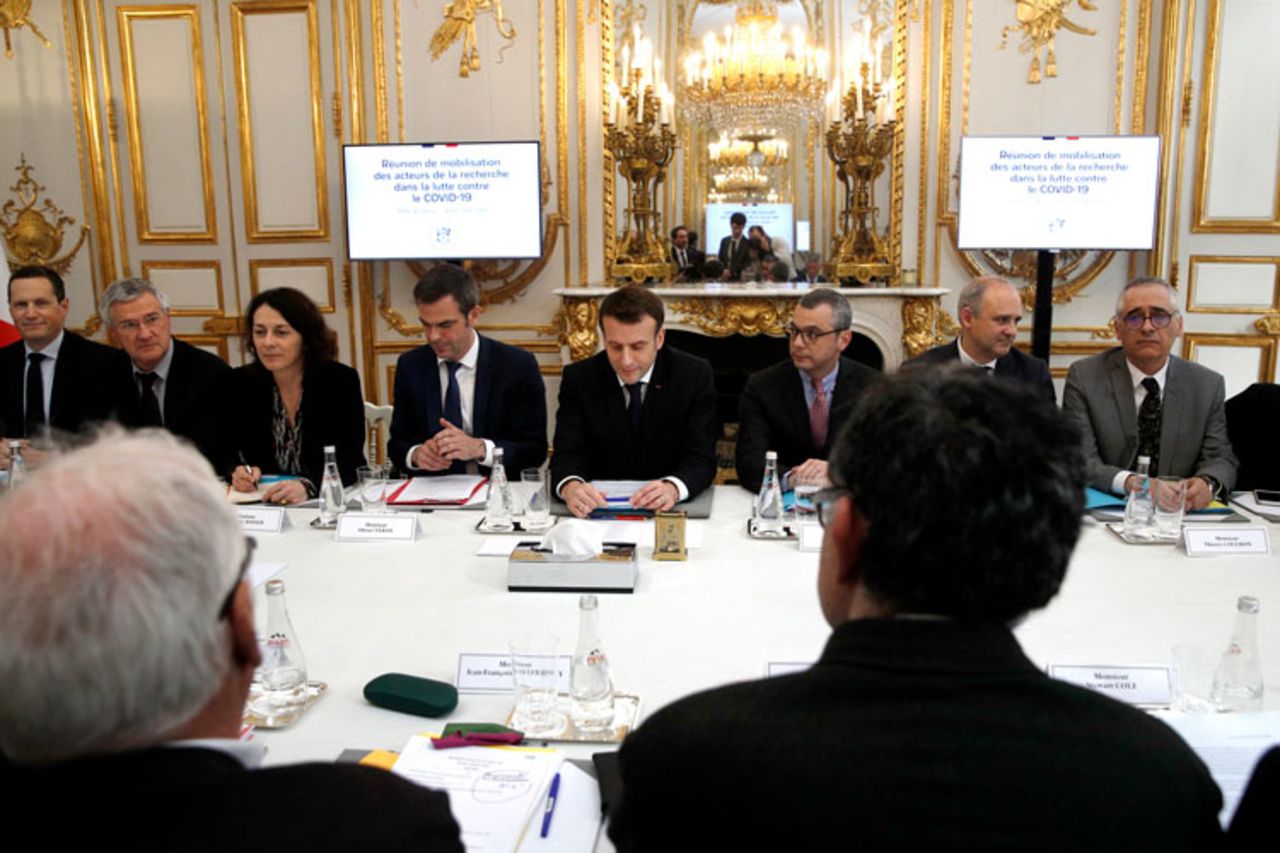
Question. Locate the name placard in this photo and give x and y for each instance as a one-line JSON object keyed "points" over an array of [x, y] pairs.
{"points": [[483, 672], [359, 527], [810, 537], [1134, 685], [261, 519], [1219, 542]]}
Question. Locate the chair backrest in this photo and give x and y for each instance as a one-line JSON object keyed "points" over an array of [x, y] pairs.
{"points": [[1252, 416], [377, 421]]}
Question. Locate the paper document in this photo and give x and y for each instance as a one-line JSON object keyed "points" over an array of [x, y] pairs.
{"points": [[1230, 744], [576, 821], [618, 491], [495, 793], [451, 489]]}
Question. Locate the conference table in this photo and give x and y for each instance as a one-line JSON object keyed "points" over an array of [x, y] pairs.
{"points": [[736, 605]]}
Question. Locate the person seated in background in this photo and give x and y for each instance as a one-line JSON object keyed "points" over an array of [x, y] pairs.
{"points": [[160, 380], [127, 649], [758, 262], [52, 381], [797, 406], [464, 395], [1139, 400], [779, 272], [757, 233], [687, 259], [924, 726], [812, 273], [291, 401], [989, 312], [636, 411], [712, 270]]}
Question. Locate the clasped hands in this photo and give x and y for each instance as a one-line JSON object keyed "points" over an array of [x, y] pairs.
{"points": [[582, 498], [1198, 495], [448, 445]]}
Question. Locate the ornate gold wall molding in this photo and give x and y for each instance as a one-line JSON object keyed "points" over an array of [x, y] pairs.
{"points": [[1039, 22], [219, 309], [749, 316], [36, 233], [1192, 342], [1194, 305], [920, 325], [576, 326], [15, 15], [460, 22]]}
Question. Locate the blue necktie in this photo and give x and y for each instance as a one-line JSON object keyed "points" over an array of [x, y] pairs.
{"points": [[34, 415], [635, 405], [453, 408]]}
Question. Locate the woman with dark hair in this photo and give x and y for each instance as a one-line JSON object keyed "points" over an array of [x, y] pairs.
{"points": [[292, 401]]}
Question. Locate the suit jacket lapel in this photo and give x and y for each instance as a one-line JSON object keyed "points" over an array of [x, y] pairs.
{"points": [[435, 408], [65, 367], [1122, 394], [1173, 411], [652, 414], [483, 385]]}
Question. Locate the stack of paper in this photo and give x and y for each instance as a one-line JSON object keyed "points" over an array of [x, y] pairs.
{"points": [[449, 490]]}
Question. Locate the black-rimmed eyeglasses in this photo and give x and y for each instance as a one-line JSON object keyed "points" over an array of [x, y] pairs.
{"points": [[249, 544], [811, 334], [1159, 319]]}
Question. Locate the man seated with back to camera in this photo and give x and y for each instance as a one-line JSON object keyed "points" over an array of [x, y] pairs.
{"points": [[636, 411], [127, 647], [923, 725]]}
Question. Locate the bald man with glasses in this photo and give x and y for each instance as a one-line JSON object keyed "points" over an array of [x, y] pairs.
{"points": [[1139, 400], [797, 406]]}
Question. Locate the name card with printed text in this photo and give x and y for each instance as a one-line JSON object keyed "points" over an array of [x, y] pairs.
{"points": [[480, 672], [261, 519], [1217, 542], [1148, 686], [361, 527]]}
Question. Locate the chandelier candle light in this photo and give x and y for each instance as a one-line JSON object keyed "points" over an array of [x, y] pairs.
{"points": [[859, 141], [638, 135]]}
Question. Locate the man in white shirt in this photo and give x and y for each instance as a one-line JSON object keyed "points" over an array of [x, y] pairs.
{"points": [[1138, 400]]}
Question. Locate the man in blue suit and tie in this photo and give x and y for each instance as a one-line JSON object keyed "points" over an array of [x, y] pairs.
{"points": [[463, 395]]}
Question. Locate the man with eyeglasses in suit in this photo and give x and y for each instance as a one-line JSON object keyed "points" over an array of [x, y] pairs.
{"points": [[1138, 400], [797, 406]]}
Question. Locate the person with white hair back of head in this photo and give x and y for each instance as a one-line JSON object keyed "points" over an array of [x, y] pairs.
{"points": [[127, 648]]}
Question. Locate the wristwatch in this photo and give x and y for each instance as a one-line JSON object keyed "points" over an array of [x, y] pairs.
{"points": [[1214, 485]]}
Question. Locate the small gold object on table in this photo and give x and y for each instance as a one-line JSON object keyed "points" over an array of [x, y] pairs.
{"points": [[668, 536]]}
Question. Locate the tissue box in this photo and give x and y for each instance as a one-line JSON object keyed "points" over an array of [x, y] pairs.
{"points": [[532, 570]]}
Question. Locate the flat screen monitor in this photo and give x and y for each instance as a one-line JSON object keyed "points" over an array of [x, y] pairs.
{"points": [[1058, 192], [775, 219], [443, 200]]}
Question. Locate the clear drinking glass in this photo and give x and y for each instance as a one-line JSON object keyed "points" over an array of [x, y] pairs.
{"points": [[373, 487], [537, 504], [1170, 498], [535, 676]]}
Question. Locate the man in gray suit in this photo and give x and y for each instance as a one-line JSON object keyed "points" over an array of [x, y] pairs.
{"points": [[1137, 400]]}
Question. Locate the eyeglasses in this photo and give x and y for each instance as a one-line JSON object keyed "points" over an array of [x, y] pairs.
{"points": [[1159, 319], [825, 503], [249, 545], [811, 334], [149, 322]]}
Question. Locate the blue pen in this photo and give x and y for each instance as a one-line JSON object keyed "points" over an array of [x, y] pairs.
{"points": [[551, 805], [619, 500]]}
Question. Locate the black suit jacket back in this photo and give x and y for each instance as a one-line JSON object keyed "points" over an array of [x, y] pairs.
{"points": [[773, 416], [332, 413], [81, 394], [1016, 364], [733, 261], [677, 433], [186, 798], [193, 397]]}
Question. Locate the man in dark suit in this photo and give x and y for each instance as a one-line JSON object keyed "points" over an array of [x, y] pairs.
{"points": [[53, 379], [812, 272], [734, 250], [924, 726], [162, 381], [687, 259], [637, 411], [463, 395], [989, 312], [797, 406], [125, 704], [1138, 400]]}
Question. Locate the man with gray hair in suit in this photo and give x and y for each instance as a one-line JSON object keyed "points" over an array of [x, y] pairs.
{"points": [[1138, 400], [127, 647]]}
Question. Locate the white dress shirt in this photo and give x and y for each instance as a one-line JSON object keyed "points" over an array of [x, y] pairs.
{"points": [[50, 354], [467, 395], [1139, 395]]}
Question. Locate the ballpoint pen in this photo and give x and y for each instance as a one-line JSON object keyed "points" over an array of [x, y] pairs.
{"points": [[551, 805]]}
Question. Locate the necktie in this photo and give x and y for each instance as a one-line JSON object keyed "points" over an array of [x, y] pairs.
{"points": [[991, 371], [453, 408], [819, 413], [149, 402], [35, 418], [1149, 420], [684, 262], [635, 404]]}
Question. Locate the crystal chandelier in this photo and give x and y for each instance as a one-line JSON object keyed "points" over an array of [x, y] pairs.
{"points": [[761, 152], [741, 184], [754, 77]]}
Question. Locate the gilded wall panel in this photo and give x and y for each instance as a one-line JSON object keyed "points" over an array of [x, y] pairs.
{"points": [[1233, 285], [166, 114], [1241, 359], [1237, 184], [279, 101], [194, 287], [313, 276]]}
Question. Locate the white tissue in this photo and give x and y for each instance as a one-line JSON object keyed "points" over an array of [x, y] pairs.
{"points": [[574, 537]]}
